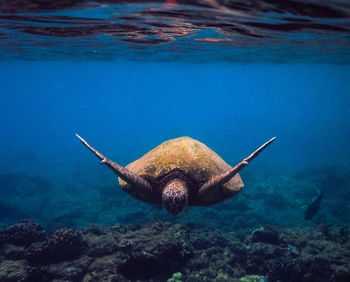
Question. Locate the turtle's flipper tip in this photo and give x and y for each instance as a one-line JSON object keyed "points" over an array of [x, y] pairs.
{"points": [[269, 142], [84, 142], [97, 153], [80, 138]]}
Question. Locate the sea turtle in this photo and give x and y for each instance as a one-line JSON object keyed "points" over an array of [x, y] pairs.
{"points": [[179, 172]]}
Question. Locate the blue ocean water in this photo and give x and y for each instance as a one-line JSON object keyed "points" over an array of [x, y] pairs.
{"points": [[127, 108], [129, 76]]}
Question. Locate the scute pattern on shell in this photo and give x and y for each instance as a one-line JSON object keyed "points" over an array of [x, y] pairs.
{"points": [[189, 155]]}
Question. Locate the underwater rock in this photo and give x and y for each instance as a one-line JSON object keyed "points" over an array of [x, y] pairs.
{"points": [[71, 270], [103, 276], [13, 271], [36, 253], [267, 235], [162, 251], [155, 250], [101, 245], [252, 278], [13, 252], [24, 233], [65, 243]]}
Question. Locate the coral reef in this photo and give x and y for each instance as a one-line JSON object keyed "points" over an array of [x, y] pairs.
{"points": [[63, 244], [162, 251], [23, 233], [259, 236]]}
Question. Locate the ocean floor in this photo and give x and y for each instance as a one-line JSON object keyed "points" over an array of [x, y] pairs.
{"points": [[162, 251], [79, 228]]}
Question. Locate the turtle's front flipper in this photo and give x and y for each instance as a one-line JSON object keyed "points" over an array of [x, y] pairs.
{"points": [[121, 171], [221, 179]]}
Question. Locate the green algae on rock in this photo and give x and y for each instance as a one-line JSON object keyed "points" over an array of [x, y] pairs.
{"points": [[252, 278]]}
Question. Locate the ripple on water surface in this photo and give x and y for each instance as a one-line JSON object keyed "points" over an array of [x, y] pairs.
{"points": [[205, 30]]}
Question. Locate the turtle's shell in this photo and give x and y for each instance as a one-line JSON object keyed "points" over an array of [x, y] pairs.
{"points": [[192, 157]]}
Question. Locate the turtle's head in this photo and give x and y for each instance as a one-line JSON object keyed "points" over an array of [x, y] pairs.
{"points": [[175, 196]]}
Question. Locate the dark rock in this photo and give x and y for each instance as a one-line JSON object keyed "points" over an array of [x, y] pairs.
{"points": [[71, 270], [104, 276], [156, 250], [95, 230], [24, 233], [267, 235], [101, 245], [37, 253], [208, 239], [13, 252], [325, 232], [103, 267], [13, 271], [239, 253], [65, 243], [35, 274]]}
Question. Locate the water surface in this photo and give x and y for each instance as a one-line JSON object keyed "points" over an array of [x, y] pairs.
{"points": [[195, 31]]}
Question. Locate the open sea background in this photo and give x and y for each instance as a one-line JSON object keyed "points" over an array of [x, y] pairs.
{"points": [[129, 76]]}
